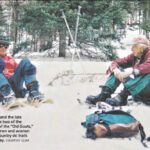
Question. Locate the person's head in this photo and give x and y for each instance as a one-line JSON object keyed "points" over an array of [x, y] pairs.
{"points": [[3, 47], [139, 45]]}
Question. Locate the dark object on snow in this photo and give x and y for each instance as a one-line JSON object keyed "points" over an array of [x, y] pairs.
{"points": [[105, 93], [120, 99]]}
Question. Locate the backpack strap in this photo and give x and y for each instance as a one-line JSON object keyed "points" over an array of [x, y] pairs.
{"points": [[143, 135], [108, 129], [142, 132]]}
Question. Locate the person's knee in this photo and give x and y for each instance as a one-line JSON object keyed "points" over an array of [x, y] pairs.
{"points": [[145, 92], [28, 67]]}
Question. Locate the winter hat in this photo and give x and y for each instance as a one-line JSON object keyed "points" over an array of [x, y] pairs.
{"points": [[139, 45], [141, 40], [4, 43]]}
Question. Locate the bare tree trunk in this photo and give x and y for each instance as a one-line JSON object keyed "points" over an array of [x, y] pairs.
{"points": [[62, 43], [54, 34], [42, 43], [32, 43], [49, 40], [35, 43], [14, 28], [146, 15], [148, 18]]}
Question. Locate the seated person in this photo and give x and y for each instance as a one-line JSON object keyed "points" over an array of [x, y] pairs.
{"points": [[138, 86], [13, 76]]}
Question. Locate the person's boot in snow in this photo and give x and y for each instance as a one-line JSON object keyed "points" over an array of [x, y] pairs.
{"points": [[120, 99], [105, 93], [34, 93], [7, 96]]}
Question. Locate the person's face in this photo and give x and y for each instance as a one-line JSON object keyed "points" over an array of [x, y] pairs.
{"points": [[138, 49], [3, 51]]}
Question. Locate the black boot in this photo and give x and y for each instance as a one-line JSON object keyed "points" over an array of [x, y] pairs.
{"points": [[105, 93], [120, 99], [7, 96], [34, 93]]}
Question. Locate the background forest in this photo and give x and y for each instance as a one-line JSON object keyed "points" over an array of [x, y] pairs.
{"points": [[39, 25]]}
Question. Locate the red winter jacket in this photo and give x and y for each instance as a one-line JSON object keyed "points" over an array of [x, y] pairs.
{"points": [[143, 65], [10, 66]]}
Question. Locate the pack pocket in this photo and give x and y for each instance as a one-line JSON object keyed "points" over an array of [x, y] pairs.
{"points": [[115, 123]]}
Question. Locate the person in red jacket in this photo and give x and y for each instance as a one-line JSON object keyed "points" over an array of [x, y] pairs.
{"points": [[136, 80], [13, 76]]}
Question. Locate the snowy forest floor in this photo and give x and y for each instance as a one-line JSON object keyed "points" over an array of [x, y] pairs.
{"points": [[57, 126]]}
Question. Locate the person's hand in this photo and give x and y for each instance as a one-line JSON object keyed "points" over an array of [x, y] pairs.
{"points": [[122, 75], [116, 72]]}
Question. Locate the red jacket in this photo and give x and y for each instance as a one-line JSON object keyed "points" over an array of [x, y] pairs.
{"points": [[143, 65], [10, 66]]}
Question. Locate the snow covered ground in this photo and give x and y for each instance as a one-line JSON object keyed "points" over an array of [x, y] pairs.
{"points": [[57, 126]]}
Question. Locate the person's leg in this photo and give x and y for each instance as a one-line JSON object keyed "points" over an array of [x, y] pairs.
{"points": [[26, 73], [136, 85], [16, 82], [6, 92], [131, 86], [110, 86], [144, 95]]}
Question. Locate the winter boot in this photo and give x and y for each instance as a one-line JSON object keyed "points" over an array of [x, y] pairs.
{"points": [[105, 93], [120, 99], [34, 93], [7, 96]]}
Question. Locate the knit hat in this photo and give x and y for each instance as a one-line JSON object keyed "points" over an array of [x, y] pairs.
{"points": [[141, 40], [4, 43]]}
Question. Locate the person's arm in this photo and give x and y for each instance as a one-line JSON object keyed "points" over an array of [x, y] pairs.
{"points": [[2, 65], [11, 66], [122, 62], [121, 75]]}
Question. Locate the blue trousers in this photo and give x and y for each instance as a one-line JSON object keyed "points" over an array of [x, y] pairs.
{"points": [[23, 75]]}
